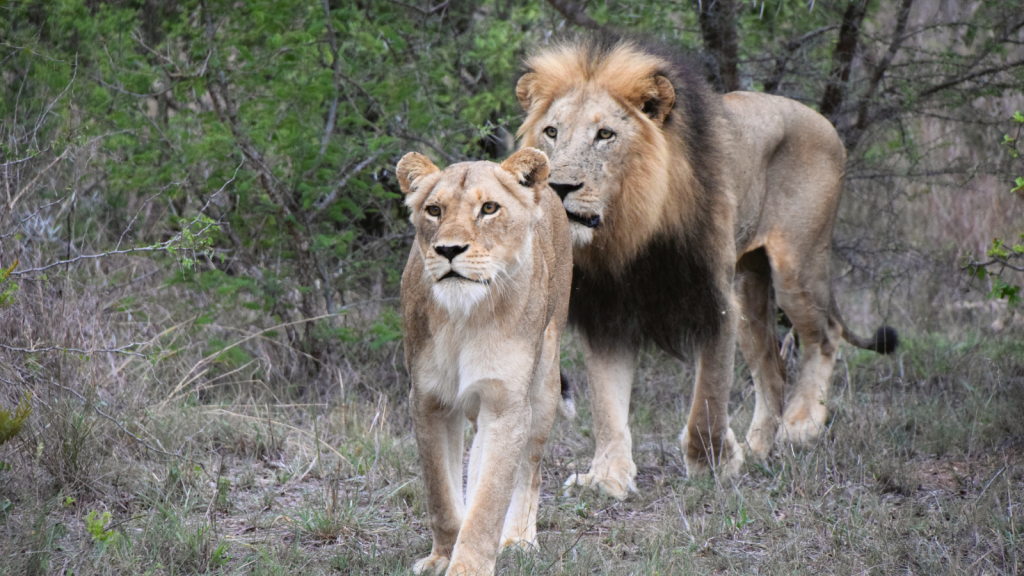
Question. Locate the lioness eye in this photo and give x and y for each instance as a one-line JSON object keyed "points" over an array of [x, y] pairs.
{"points": [[489, 207], [551, 132], [604, 134], [434, 211]]}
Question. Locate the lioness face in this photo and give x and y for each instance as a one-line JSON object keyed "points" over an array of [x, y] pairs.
{"points": [[474, 223], [589, 137]]}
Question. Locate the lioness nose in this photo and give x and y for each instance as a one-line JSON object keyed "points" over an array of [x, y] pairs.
{"points": [[564, 190], [450, 252]]}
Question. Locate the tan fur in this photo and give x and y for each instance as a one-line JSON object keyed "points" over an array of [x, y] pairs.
{"points": [[483, 346], [780, 168]]}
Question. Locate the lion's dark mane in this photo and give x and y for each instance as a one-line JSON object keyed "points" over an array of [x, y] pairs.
{"points": [[670, 293]]}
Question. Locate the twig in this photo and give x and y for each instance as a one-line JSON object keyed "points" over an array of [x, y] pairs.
{"points": [[330, 198], [125, 430]]}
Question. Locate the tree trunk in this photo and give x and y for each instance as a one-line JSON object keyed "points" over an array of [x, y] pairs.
{"points": [[842, 59], [718, 28]]}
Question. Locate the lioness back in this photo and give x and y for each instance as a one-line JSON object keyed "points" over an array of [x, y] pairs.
{"points": [[485, 297]]}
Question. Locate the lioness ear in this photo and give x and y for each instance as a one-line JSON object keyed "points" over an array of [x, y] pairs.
{"points": [[411, 168], [530, 168], [524, 90], [659, 100]]}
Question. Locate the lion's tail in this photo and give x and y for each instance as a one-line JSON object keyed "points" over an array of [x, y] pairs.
{"points": [[566, 405], [885, 340]]}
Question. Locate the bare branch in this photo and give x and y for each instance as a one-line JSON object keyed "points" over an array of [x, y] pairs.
{"points": [[968, 77], [330, 198], [575, 14], [772, 83]]}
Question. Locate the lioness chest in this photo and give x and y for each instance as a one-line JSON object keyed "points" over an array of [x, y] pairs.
{"points": [[461, 354]]}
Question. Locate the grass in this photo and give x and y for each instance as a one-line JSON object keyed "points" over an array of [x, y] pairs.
{"points": [[920, 472], [164, 457]]}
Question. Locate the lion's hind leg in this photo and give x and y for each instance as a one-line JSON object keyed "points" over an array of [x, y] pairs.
{"points": [[760, 347], [805, 296]]}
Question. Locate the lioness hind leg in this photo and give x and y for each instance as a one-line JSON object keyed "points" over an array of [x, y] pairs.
{"points": [[805, 297], [760, 349], [610, 374]]}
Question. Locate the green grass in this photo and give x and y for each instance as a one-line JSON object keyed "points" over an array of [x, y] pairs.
{"points": [[921, 471]]}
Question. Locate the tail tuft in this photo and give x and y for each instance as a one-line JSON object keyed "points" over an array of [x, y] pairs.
{"points": [[566, 405], [886, 340]]}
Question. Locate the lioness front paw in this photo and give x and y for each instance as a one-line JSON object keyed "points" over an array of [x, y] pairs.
{"points": [[613, 480], [726, 464], [433, 564], [803, 423]]}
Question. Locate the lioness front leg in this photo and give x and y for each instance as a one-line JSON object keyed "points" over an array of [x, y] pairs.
{"points": [[708, 442], [521, 520], [439, 434], [503, 424], [610, 374]]}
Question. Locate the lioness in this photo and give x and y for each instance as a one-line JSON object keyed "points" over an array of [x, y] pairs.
{"points": [[687, 210], [485, 296]]}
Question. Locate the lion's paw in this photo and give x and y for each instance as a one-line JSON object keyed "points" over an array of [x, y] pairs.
{"points": [[728, 464], [617, 483], [758, 445], [433, 564], [803, 423]]}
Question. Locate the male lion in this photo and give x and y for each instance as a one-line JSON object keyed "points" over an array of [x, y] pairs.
{"points": [[485, 296], [686, 209]]}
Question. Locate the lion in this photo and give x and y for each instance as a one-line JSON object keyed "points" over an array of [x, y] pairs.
{"points": [[485, 296], [692, 216]]}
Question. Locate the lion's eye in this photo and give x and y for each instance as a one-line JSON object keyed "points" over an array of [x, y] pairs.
{"points": [[489, 208], [605, 134], [434, 211], [551, 132]]}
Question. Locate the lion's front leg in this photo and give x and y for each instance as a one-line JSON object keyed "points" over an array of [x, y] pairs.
{"points": [[610, 374], [709, 445], [439, 434], [503, 424]]}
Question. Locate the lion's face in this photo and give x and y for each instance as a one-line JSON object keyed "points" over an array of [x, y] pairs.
{"points": [[589, 138], [601, 125], [474, 223]]}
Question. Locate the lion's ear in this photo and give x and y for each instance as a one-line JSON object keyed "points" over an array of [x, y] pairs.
{"points": [[659, 100], [411, 168], [524, 90], [530, 168]]}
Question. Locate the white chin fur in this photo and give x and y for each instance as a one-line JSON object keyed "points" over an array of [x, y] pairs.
{"points": [[581, 235], [458, 296]]}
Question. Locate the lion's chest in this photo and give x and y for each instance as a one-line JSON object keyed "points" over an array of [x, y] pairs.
{"points": [[458, 357]]}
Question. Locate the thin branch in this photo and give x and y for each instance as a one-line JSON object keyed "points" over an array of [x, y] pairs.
{"points": [[772, 83], [575, 14], [967, 77], [125, 430], [330, 198], [122, 350]]}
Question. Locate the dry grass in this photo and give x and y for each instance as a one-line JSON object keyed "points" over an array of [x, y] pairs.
{"points": [[223, 466]]}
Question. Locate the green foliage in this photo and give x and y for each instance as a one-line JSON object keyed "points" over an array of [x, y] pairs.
{"points": [[11, 421], [264, 134], [96, 526], [7, 288]]}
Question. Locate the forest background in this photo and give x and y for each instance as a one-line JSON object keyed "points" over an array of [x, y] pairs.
{"points": [[201, 239]]}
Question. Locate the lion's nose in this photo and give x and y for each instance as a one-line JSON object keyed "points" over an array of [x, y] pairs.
{"points": [[564, 190], [450, 252]]}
